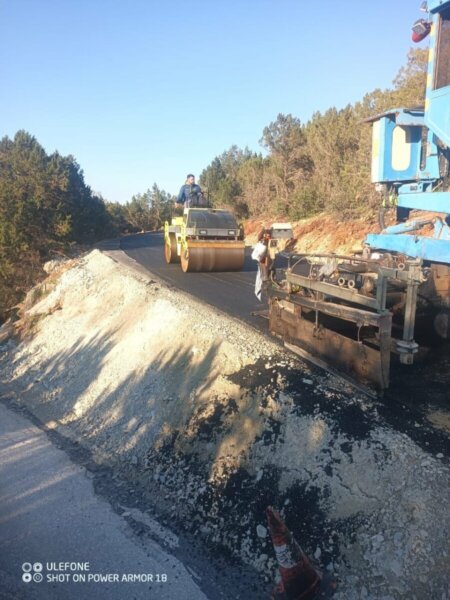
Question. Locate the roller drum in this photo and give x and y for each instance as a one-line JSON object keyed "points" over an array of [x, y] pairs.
{"points": [[212, 259]]}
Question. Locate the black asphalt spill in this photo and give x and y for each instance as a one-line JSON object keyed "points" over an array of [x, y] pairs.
{"points": [[225, 514], [311, 395], [416, 392], [212, 424]]}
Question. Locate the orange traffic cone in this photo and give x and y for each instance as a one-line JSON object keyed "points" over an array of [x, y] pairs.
{"points": [[299, 579]]}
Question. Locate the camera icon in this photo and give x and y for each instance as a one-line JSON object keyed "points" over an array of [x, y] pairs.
{"points": [[32, 572]]}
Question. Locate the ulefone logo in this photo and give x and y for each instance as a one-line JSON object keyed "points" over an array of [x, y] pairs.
{"points": [[32, 572]]}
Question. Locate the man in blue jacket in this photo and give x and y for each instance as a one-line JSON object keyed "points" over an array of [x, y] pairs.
{"points": [[190, 193]]}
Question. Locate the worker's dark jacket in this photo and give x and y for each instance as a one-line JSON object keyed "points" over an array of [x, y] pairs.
{"points": [[189, 194]]}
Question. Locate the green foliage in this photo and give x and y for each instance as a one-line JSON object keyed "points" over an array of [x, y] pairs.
{"points": [[410, 82], [220, 179], [116, 216], [148, 211], [45, 205], [323, 165]]}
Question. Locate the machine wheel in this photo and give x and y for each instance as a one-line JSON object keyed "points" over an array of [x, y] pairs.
{"points": [[170, 250], [185, 260]]}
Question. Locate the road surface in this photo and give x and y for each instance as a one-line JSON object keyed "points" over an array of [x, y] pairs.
{"points": [[50, 517], [230, 292]]}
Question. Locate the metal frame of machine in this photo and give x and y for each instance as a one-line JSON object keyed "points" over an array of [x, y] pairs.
{"points": [[346, 309], [341, 311]]}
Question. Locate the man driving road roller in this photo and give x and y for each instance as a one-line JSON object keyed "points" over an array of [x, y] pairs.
{"points": [[190, 193], [202, 238]]}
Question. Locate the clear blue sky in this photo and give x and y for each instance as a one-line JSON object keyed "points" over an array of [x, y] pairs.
{"points": [[147, 90]]}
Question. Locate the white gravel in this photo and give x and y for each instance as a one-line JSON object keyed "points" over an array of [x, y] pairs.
{"points": [[198, 406]]}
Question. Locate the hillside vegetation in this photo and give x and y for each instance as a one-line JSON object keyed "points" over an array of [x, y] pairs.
{"points": [[319, 166], [46, 208], [322, 165]]}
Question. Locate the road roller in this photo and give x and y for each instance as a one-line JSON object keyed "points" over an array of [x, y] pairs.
{"points": [[204, 239]]}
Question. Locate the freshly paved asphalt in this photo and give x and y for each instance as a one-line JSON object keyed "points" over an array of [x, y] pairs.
{"points": [[232, 292]]}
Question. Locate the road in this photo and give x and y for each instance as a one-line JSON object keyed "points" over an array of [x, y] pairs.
{"points": [[230, 292], [50, 514]]}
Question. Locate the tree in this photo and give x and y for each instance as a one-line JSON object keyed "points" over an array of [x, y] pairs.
{"points": [[290, 162], [148, 211], [45, 205], [221, 179], [161, 204], [117, 218], [410, 82], [137, 212], [257, 190]]}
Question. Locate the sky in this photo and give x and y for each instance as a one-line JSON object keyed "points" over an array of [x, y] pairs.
{"points": [[144, 91]]}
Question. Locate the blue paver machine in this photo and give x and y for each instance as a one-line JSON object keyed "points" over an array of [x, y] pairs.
{"points": [[410, 166], [353, 312]]}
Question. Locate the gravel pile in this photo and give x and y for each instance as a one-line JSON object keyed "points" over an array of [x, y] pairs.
{"points": [[214, 422]]}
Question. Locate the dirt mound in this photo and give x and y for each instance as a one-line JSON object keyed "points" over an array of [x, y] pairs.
{"points": [[322, 233], [214, 422]]}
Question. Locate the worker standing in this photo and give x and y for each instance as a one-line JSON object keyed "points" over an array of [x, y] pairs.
{"points": [[260, 254]]}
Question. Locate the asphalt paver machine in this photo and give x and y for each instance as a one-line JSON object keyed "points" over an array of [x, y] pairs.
{"points": [[354, 312]]}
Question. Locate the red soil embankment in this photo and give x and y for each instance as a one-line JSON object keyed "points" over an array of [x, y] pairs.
{"points": [[321, 233]]}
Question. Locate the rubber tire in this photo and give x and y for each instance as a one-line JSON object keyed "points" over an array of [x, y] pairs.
{"points": [[170, 250]]}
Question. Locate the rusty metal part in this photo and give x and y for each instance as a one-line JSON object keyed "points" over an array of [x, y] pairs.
{"points": [[441, 281], [327, 366], [368, 362], [204, 255], [310, 311]]}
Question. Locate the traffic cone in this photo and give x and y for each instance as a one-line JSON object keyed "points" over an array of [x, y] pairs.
{"points": [[299, 579]]}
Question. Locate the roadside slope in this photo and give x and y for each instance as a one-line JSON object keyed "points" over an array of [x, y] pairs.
{"points": [[214, 422]]}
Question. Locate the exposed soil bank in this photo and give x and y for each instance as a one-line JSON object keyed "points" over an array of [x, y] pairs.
{"points": [[321, 233], [329, 233], [213, 422]]}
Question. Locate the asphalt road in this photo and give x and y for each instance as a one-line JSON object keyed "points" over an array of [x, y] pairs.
{"points": [[50, 514], [232, 292]]}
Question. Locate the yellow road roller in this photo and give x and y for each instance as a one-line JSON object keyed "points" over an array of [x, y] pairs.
{"points": [[204, 239]]}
